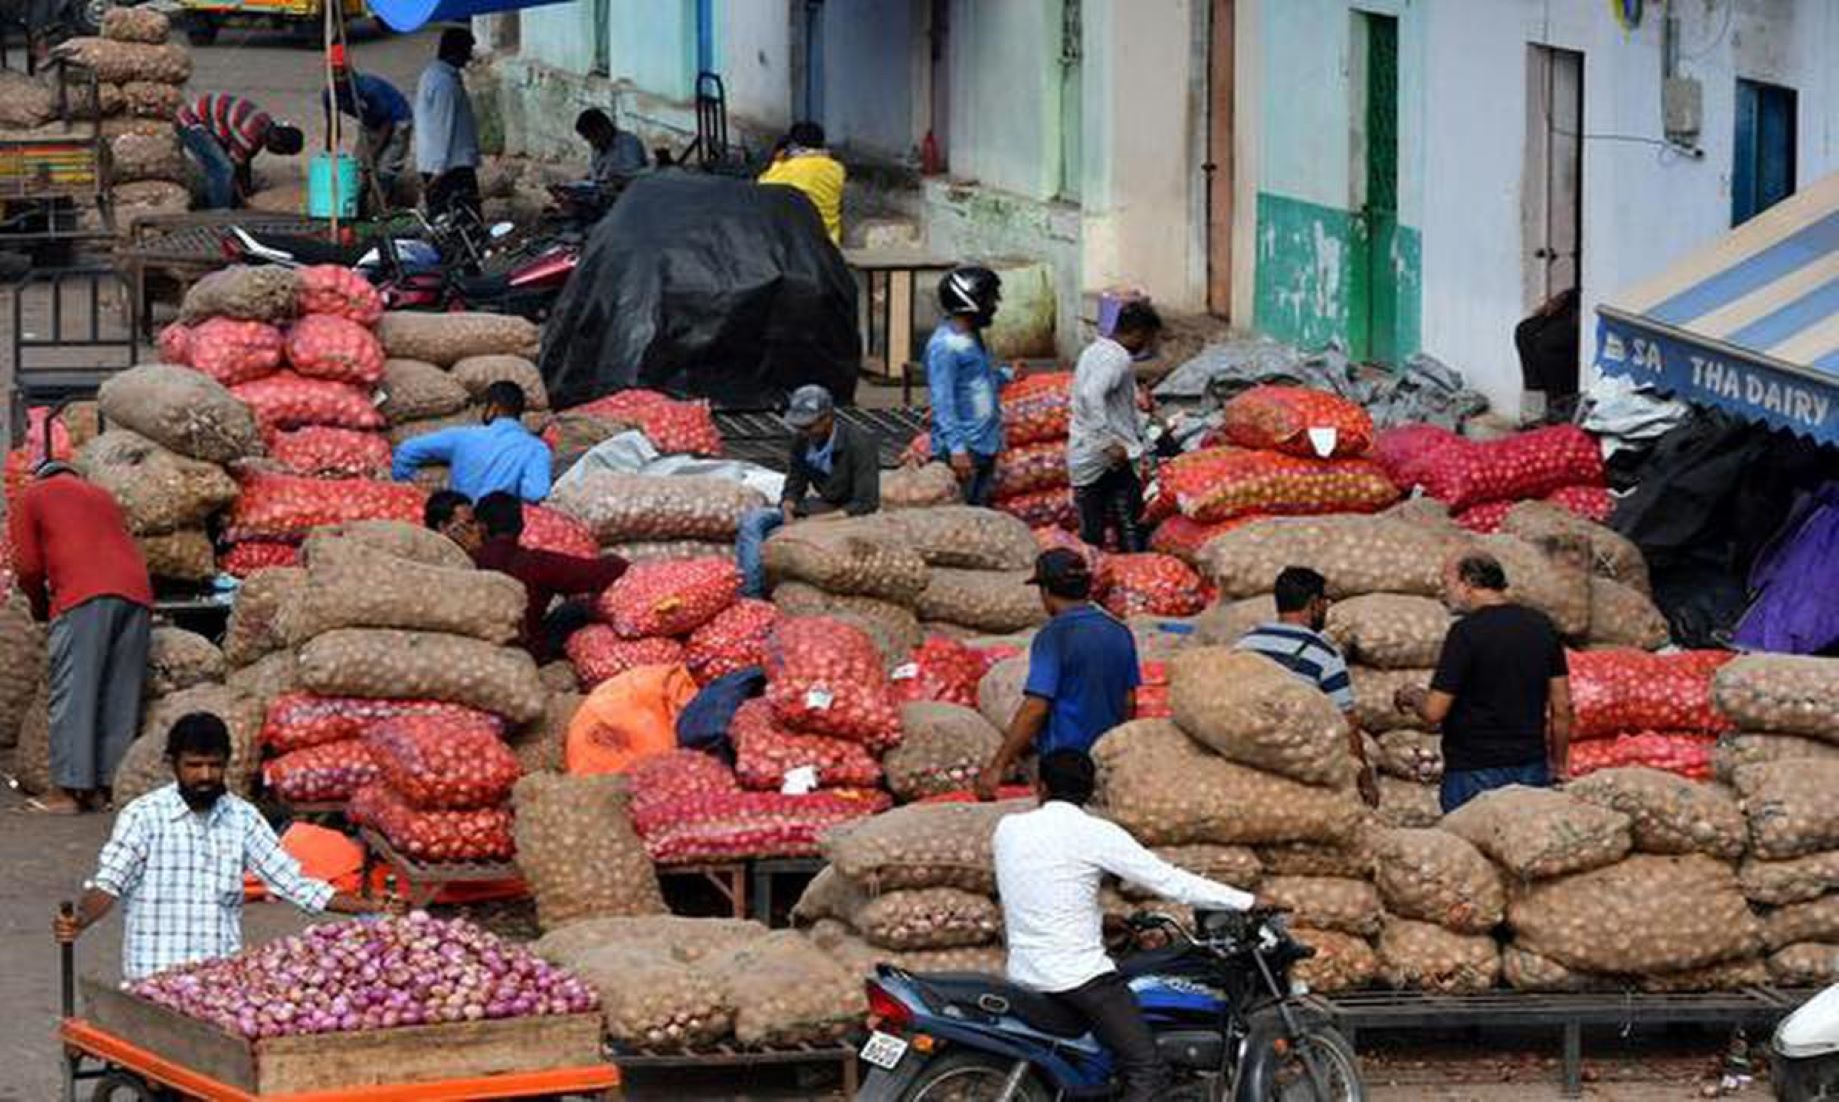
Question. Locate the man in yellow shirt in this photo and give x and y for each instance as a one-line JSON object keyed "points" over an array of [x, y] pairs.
{"points": [[803, 162]]}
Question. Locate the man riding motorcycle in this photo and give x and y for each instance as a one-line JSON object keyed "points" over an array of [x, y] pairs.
{"points": [[1049, 865]]}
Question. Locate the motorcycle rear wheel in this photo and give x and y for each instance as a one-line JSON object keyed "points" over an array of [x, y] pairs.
{"points": [[966, 1076], [1320, 1067]]}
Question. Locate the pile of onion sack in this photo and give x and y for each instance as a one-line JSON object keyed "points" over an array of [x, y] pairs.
{"points": [[350, 976]]}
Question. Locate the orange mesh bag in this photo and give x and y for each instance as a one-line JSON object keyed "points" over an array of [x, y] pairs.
{"points": [[1223, 483], [1279, 418]]}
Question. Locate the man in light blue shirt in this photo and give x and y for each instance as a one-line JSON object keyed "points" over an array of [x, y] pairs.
{"points": [[500, 455], [446, 135], [963, 381]]}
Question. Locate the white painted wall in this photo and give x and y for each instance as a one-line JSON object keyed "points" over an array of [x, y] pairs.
{"points": [[1005, 94], [871, 51], [753, 54]]}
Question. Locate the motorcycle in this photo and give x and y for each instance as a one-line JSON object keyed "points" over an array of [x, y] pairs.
{"points": [[1218, 999], [1804, 1053]]}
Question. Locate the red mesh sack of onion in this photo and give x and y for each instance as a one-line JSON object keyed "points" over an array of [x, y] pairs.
{"points": [[249, 556], [734, 640], [669, 598], [280, 506], [1031, 467], [547, 529], [673, 427], [764, 753], [438, 764], [326, 452], [1149, 584], [226, 349], [328, 772], [331, 289], [599, 654], [824, 677], [1279, 418], [298, 720], [940, 669], [437, 837], [285, 400], [755, 824], [326, 346], [1626, 690], [1223, 483], [1531, 464]]}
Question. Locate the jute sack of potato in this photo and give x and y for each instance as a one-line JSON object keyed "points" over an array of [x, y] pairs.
{"points": [[146, 99], [476, 373], [647, 998], [966, 537], [446, 339], [1668, 813], [1342, 962], [1779, 693], [1410, 755], [32, 756], [178, 659], [995, 601], [184, 555], [395, 538], [1533, 833], [861, 958], [266, 678], [1611, 554], [1422, 956], [22, 662], [541, 746], [1327, 902], [853, 556], [894, 628], [1538, 581], [1226, 622], [254, 629], [674, 937], [1809, 964], [1238, 866], [1735, 751], [625, 507], [1644, 914], [1408, 803], [146, 198], [787, 991], [351, 586], [943, 749], [1353, 860], [144, 767], [147, 157], [118, 62], [135, 25], [670, 551], [424, 665], [1253, 711], [401, 432], [24, 102], [919, 487], [829, 895], [1389, 630], [999, 694], [1435, 876], [1790, 807], [921, 846], [1623, 616], [1794, 880], [1166, 789], [413, 390], [1357, 554], [1813, 920], [1374, 690], [929, 918], [1525, 970], [1726, 975], [578, 852], [266, 293], [158, 490], [181, 410]]}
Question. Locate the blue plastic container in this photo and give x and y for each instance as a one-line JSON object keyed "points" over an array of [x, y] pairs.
{"points": [[411, 15], [332, 186]]}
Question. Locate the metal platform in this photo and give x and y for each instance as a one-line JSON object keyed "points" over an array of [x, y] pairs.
{"points": [[760, 437]]}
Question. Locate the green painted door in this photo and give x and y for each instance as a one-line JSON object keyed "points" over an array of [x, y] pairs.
{"points": [[1373, 330]]}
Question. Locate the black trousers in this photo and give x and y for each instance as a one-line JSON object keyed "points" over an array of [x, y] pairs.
{"points": [[455, 188], [1117, 1021], [1114, 501]]}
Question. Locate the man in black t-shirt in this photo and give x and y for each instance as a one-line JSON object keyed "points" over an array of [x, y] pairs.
{"points": [[1502, 691]]}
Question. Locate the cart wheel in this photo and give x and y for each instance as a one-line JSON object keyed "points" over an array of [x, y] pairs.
{"points": [[122, 1086], [200, 30]]}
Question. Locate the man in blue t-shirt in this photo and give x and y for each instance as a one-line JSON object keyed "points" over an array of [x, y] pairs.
{"points": [[385, 120], [1082, 672]]}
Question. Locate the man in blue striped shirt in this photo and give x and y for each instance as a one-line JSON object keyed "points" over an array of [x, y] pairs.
{"points": [[1295, 641]]}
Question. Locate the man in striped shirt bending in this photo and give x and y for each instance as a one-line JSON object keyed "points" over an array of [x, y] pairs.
{"points": [[1295, 641], [223, 133]]}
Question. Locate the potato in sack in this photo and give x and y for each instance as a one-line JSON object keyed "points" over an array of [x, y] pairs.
{"points": [[1646, 914], [1255, 712], [1534, 833], [1785, 694]]}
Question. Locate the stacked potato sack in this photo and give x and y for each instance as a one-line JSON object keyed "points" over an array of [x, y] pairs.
{"points": [[867, 573], [22, 659], [674, 427], [438, 366], [1635, 708], [1442, 899], [1785, 775], [671, 612], [976, 562], [646, 517], [1481, 481]]}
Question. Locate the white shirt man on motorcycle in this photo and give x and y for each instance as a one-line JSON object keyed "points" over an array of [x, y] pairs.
{"points": [[1049, 865]]}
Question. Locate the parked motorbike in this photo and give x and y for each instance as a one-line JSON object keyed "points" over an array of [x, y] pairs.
{"points": [[1805, 1051], [1219, 1000]]}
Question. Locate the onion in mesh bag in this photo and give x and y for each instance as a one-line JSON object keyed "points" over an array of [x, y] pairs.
{"points": [[825, 677], [669, 598]]}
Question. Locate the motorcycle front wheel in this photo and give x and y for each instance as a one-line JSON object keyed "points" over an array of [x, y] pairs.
{"points": [[1320, 1066], [972, 1077]]}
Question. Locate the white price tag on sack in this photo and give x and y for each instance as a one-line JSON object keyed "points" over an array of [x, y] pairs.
{"points": [[799, 781], [906, 671], [1323, 440], [819, 700]]}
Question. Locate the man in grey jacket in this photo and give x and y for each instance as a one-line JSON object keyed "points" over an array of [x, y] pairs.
{"points": [[832, 469], [1105, 442]]}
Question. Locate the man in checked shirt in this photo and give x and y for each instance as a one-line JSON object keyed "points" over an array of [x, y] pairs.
{"points": [[177, 857]]}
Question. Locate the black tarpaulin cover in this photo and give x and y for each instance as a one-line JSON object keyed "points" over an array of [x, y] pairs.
{"points": [[706, 287]]}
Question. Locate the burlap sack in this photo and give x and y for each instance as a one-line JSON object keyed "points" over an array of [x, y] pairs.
{"points": [[119, 62], [181, 410], [966, 537], [861, 958], [673, 937], [149, 198], [1353, 860], [1357, 554], [401, 432], [22, 663], [894, 628], [32, 755], [1790, 807], [182, 556], [1435, 876], [860, 556], [919, 487], [1408, 803], [413, 390], [83, 102], [929, 918], [144, 767], [135, 25], [1410, 755], [999, 694], [266, 293], [1813, 920], [647, 999], [1645, 914], [1422, 956], [158, 490], [787, 991], [942, 749], [1623, 616], [1525, 970], [829, 895], [541, 746], [424, 665], [1342, 962], [1809, 964], [475, 373], [669, 550], [394, 538], [267, 677], [558, 676], [1781, 694], [1374, 691], [1726, 975], [1733, 752], [1389, 630], [1253, 711], [351, 586], [24, 103], [1226, 622], [254, 629], [622, 507], [1326, 902], [1668, 813], [1166, 789], [578, 852], [1794, 880], [921, 846], [991, 601], [446, 339], [1611, 554], [147, 157], [1533, 833], [146, 99], [1539, 581], [178, 659]]}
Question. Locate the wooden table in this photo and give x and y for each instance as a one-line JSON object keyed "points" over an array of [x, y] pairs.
{"points": [[426, 881], [896, 272]]}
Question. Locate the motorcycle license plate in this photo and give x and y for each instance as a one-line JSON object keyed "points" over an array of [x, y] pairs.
{"points": [[883, 1050]]}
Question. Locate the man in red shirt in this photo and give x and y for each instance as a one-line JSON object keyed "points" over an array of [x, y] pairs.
{"points": [[223, 132], [81, 570], [545, 574]]}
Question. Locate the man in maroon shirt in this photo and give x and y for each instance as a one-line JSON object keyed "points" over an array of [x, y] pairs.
{"points": [[545, 574], [81, 570]]}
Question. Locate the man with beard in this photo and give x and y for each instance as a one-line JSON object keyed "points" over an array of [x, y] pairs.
{"points": [[177, 857], [1295, 641]]}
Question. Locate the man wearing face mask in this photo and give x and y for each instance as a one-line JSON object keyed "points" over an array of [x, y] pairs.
{"points": [[176, 861], [499, 455]]}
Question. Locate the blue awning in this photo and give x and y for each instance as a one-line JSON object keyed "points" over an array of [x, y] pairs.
{"points": [[1750, 324]]}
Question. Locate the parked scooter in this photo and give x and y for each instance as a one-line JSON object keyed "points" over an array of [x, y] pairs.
{"points": [[1219, 1001], [1804, 1053]]}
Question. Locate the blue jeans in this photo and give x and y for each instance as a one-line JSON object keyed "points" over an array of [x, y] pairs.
{"points": [[219, 172], [1464, 785], [756, 525]]}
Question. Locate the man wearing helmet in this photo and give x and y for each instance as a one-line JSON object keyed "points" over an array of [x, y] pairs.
{"points": [[963, 379]]}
